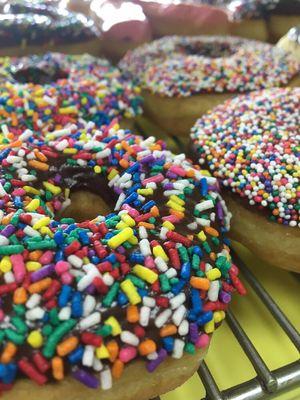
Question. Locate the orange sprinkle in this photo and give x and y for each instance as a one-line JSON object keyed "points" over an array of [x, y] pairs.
{"points": [[154, 211], [117, 369], [35, 255], [177, 214], [40, 155], [147, 225], [8, 353], [113, 349], [124, 163], [40, 286], [126, 147], [148, 346], [16, 143], [57, 368], [20, 296], [67, 346], [168, 330], [6, 219], [190, 173], [211, 231], [199, 283], [213, 256], [38, 165], [14, 119], [132, 314]]}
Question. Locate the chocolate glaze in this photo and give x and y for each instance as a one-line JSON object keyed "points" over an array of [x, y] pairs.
{"points": [[39, 24]]}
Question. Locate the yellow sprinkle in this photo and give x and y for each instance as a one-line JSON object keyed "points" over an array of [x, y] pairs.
{"points": [[52, 188], [5, 264], [97, 169], [158, 251], [30, 189], [213, 274], [68, 110], [168, 225], [116, 328], [209, 327], [201, 235], [145, 273], [33, 266], [175, 206], [69, 150], [128, 220], [177, 200], [133, 240], [112, 174], [130, 290], [219, 316], [41, 222], [102, 352], [121, 225], [35, 339], [120, 238], [67, 193], [46, 231], [145, 192], [33, 205]]}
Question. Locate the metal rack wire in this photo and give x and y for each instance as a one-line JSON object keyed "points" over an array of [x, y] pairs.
{"points": [[267, 382]]}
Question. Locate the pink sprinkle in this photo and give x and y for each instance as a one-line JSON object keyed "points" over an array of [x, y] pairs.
{"points": [[177, 170], [171, 218], [67, 278], [131, 211], [156, 179], [2, 315], [61, 267], [127, 354], [149, 262], [202, 341], [46, 258], [18, 267]]}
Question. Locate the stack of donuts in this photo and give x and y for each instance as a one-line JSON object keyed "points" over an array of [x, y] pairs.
{"points": [[115, 263]]}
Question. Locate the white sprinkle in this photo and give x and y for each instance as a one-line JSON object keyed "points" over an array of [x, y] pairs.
{"points": [[145, 247], [149, 301], [162, 318], [64, 314], [183, 328], [178, 315], [106, 379], [91, 320], [178, 348], [104, 153], [144, 315], [204, 205], [88, 356], [213, 291], [97, 365], [176, 301], [33, 300], [129, 338], [75, 261], [161, 264], [3, 240], [30, 232], [89, 305], [2, 191], [35, 313]]}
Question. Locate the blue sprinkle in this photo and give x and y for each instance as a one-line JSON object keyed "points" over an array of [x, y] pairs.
{"points": [[83, 237], [147, 206], [177, 288], [59, 237], [64, 296], [70, 228], [59, 255], [205, 317], [197, 250], [133, 168], [131, 198], [196, 301], [192, 317], [122, 299], [204, 187], [111, 258], [142, 292], [76, 305], [186, 271], [76, 356], [168, 343]]}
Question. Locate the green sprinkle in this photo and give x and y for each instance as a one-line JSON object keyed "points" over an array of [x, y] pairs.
{"points": [[164, 283], [190, 348], [14, 337], [45, 244], [136, 281], [104, 331], [111, 295], [19, 324], [11, 249], [47, 330], [56, 336]]}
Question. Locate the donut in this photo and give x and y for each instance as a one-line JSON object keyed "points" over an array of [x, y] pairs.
{"points": [[147, 278], [284, 15], [123, 25], [54, 90], [78, 6], [291, 42], [251, 143], [183, 77], [185, 18], [248, 18], [32, 28]]}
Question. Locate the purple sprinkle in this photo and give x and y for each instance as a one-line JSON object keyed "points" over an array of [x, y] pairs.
{"points": [[87, 379], [168, 186], [91, 289], [8, 230], [171, 175], [42, 273], [225, 297], [153, 364], [193, 332], [147, 159], [220, 211]]}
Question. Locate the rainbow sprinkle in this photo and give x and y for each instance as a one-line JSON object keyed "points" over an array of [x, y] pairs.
{"points": [[153, 278], [178, 66], [252, 144], [72, 88]]}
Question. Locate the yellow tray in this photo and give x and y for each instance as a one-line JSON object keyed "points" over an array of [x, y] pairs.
{"points": [[226, 360]]}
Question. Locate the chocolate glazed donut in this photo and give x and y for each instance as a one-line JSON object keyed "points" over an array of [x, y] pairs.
{"points": [[33, 28], [147, 277]]}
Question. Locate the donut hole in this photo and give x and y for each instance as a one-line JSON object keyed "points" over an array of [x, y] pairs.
{"points": [[38, 75], [86, 205], [209, 50]]}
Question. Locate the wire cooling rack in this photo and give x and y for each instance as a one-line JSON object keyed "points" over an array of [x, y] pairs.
{"points": [[267, 383]]}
